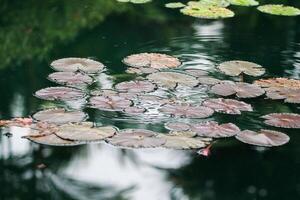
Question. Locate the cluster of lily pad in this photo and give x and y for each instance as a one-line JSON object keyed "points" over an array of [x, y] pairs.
{"points": [[159, 87]]}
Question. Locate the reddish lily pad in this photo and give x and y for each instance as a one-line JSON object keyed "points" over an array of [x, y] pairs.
{"points": [[136, 138], [19, 122], [59, 93], [288, 95], [242, 90], [77, 64], [214, 130], [71, 78], [110, 103], [136, 86], [237, 67], [265, 138], [284, 120], [177, 126], [228, 106], [278, 84], [187, 110], [152, 60]]}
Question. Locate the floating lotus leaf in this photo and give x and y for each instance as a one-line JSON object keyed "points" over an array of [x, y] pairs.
{"points": [[77, 64], [42, 129], [52, 140], [265, 138], [186, 110], [136, 86], [109, 93], [85, 132], [284, 120], [19, 122], [134, 110], [289, 95], [243, 2], [214, 130], [134, 1], [172, 79], [278, 83], [174, 5], [188, 134], [196, 72], [110, 103], [152, 60], [278, 9], [154, 100], [59, 93], [70, 78], [59, 116], [237, 67], [242, 90], [216, 3], [228, 106], [177, 126], [208, 81], [136, 138], [141, 70], [181, 142], [207, 11]]}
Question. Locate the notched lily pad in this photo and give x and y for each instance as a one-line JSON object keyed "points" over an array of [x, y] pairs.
{"points": [[174, 5], [136, 138], [237, 67], [284, 120], [243, 2], [88, 66], [187, 110], [172, 79], [152, 60], [228, 106], [136, 86], [59, 116], [71, 78], [110, 103], [265, 138], [207, 11], [177, 126], [60, 93], [278, 9], [212, 129]]}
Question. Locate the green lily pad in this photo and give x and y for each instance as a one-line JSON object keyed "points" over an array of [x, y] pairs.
{"points": [[278, 9], [243, 2], [207, 12], [174, 5], [217, 3], [134, 1]]}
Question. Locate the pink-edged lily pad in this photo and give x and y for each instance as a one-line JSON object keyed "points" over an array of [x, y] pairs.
{"points": [[110, 103], [186, 110], [288, 95], [71, 78], [59, 93], [228, 106], [265, 138], [214, 130], [278, 83], [177, 126], [284, 120], [136, 86]]}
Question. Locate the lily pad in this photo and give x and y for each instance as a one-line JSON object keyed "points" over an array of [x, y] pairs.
{"points": [[177, 126], [59, 93], [278, 9], [237, 67], [289, 95], [278, 83], [172, 79], [243, 2], [152, 60], [52, 140], [88, 66], [135, 1], [208, 80], [214, 130], [110, 103], [134, 110], [196, 72], [265, 138], [181, 142], [136, 86], [186, 133], [71, 78], [136, 138], [187, 110], [241, 90], [284, 120], [59, 116], [141, 70], [85, 132], [228, 106], [217, 3], [207, 11], [174, 5]]}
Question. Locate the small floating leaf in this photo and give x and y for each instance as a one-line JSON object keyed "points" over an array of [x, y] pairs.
{"points": [[177, 126], [134, 1], [278, 83], [136, 138], [52, 140], [196, 72], [265, 138], [284, 120], [181, 142], [278, 9], [207, 11], [135, 86], [174, 5], [228, 106], [77, 64], [216, 3], [110, 103], [214, 130], [289, 95], [237, 67], [59, 93], [141, 70], [208, 81], [243, 2], [70, 78], [186, 110], [172, 79], [59, 116], [152, 60]]}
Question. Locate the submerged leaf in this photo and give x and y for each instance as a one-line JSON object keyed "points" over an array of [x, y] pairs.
{"points": [[284, 120], [136, 86], [181, 142], [265, 138], [77, 64], [243, 2], [237, 67], [228, 106], [110, 103], [70, 78], [59, 116], [186, 110], [278, 9], [207, 11], [59, 93]]}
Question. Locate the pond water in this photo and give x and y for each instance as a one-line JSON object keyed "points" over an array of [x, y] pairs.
{"points": [[34, 33]]}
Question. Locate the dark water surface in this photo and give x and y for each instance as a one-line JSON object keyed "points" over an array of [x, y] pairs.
{"points": [[33, 33]]}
